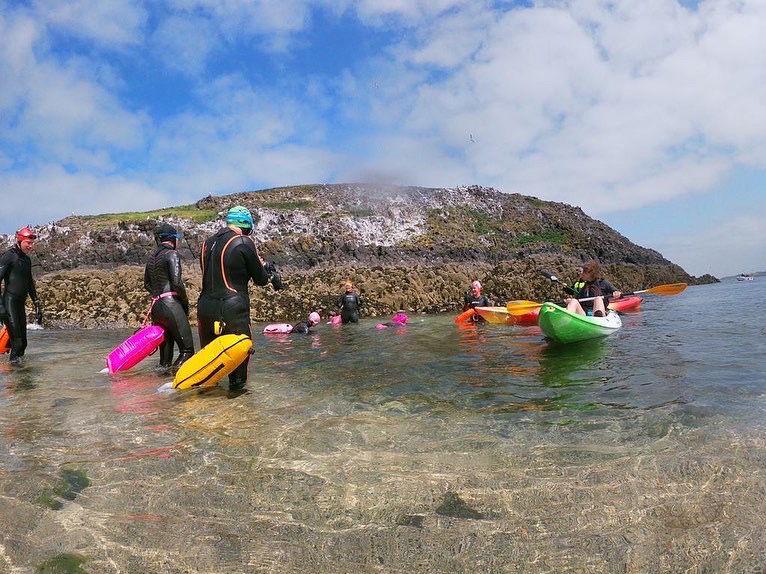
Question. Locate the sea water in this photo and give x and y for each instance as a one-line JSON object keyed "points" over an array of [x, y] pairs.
{"points": [[425, 448]]}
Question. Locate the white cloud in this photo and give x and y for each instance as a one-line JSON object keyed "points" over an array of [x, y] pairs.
{"points": [[57, 108], [621, 103], [185, 43], [49, 193], [111, 23]]}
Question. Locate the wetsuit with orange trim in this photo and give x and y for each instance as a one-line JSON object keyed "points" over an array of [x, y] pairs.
{"points": [[229, 261]]}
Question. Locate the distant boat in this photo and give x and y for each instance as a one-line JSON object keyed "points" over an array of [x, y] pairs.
{"points": [[744, 277]]}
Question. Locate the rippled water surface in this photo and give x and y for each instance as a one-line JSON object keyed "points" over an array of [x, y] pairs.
{"points": [[420, 449]]}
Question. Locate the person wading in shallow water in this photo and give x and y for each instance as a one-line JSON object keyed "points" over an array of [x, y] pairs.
{"points": [[170, 304], [229, 260], [349, 304], [17, 284]]}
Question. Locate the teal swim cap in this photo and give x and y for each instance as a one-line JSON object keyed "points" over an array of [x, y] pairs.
{"points": [[239, 217]]}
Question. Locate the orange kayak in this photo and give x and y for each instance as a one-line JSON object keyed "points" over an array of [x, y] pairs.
{"points": [[4, 340], [466, 316]]}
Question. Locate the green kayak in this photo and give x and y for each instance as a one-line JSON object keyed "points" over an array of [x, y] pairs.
{"points": [[566, 327]]}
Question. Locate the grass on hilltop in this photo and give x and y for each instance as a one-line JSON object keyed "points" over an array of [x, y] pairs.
{"points": [[182, 211]]}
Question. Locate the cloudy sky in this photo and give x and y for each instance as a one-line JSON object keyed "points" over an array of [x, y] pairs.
{"points": [[650, 115]]}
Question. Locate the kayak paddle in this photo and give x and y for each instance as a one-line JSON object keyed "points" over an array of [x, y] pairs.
{"points": [[666, 289], [524, 307], [555, 279]]}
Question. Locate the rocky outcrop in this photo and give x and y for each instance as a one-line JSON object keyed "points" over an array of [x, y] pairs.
{"points": [[101, 299], [405, 248]]}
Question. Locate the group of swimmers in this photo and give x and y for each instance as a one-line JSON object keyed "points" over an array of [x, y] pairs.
{"points": [[229, 260]]}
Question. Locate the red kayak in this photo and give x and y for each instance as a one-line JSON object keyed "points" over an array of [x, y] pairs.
{"points": [[625, 304], [527, 319]]}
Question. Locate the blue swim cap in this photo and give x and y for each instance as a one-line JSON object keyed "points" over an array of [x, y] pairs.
{"points": [[166, 232], [239, 216]]}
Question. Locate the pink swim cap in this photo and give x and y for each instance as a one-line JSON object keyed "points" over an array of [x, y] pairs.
{"points": [[314, 318], [400, 318], [476, 285]]}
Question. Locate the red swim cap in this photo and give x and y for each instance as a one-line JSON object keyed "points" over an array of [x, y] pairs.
{"points": [[25, 233]]}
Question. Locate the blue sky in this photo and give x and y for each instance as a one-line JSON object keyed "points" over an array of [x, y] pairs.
{"points": [[649, 115]]}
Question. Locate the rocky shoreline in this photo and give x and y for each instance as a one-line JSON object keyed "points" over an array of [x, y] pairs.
{"points": [[97, 298], [409, 248]]}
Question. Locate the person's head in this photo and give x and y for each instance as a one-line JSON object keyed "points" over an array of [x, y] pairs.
{"points": [[578, 270], [240, 219], [25, 239], [348, 286], [400, 318], [314, 318], [476, 288], [166, 233], [591, 270]]}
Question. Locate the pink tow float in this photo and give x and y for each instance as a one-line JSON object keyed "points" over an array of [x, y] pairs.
{"points": [[135, 348]]}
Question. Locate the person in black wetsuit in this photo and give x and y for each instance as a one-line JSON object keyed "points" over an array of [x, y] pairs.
{"points": [[229, 260], [475, 298], [349, 304], [17, 283], [593, 286], [304, 327], [170, 304]]}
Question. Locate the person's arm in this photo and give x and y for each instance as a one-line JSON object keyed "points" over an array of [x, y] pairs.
{"points": [[252, 262], [147, 280], [6, 262], [176, 281], [609, 290], [33, 296], [274, 277], [359, 300], [32, 289]]}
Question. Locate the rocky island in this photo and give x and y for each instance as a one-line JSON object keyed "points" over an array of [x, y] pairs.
{"points": [[408, 248]]}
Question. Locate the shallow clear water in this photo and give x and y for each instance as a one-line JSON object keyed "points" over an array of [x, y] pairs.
{"points": [[427, 448]]}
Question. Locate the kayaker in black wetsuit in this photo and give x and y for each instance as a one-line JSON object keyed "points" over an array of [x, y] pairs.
{"points": [[349, 304], [475, 298], [304, 327], [170, 304], [594, 286], [229, 260], [17, 283]]}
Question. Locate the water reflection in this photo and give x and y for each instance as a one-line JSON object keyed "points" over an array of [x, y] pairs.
{"points": [[568, 365]]}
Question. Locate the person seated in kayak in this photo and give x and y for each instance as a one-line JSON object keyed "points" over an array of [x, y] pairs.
{"points": [[304, 327], [594, 286], [349, 304]]}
